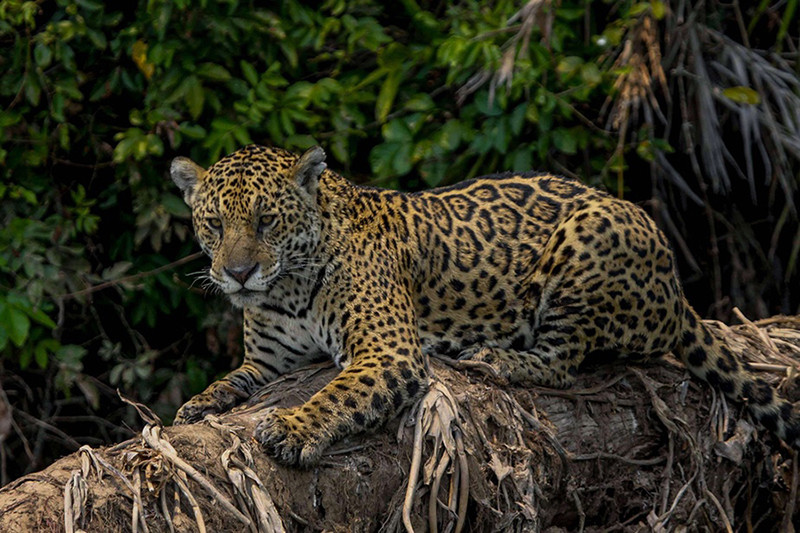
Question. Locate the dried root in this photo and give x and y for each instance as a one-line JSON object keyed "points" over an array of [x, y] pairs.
{"points": [[630, 449]]}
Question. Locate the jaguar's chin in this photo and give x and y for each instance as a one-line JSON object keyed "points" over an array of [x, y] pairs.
{"points": [[246, 298]]}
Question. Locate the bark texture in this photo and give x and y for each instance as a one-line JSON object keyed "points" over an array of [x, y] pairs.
{"points": [[631, 448]]}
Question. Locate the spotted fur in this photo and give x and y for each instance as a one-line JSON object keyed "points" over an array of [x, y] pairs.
{"points": [[529, 273]]}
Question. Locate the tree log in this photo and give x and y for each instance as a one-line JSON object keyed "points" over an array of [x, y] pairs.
{"points": [[631, 447]]}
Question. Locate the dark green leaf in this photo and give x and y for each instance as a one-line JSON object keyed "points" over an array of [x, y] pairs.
{"points": [[249, 72], [564, 141], [16, 323], [41, 356], [175, 206], [383, 105], [194, 99], [213, 72], [42, 55], [397, 131], [450, 135]]}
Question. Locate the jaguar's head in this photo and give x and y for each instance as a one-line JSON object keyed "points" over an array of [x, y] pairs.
{"points": [[255, 213]]}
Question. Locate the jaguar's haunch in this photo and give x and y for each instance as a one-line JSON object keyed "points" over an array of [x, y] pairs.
{"points": [[528, 273]]}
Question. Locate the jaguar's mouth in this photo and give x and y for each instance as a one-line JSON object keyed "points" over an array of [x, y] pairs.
{"points": [[247, 292]]}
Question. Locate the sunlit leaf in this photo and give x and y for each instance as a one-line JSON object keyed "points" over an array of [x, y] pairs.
{"points": [[569, 66], [139, 56], [659, 9], [742, 95]]}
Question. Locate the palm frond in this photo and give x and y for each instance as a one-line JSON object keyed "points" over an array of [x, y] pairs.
{"points": [[734, 88]]}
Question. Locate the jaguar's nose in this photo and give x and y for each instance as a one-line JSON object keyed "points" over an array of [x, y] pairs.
{"points": [[241, 273]]}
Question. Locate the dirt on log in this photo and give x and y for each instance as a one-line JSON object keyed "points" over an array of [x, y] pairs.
{"points": [[630, 448]]}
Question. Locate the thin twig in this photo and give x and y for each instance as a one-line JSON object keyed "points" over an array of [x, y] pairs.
{"points": [[790, 503], [579, 509], [444, 462], [92, 166], [665, 485], [662, 520], [198, 514], [133, 277], [720, 509], [413, 472], [759, 332], [50, 427], [463, 491], [614, 456], [165, 510], [780, 369], [137, 516], [538, 426], [574, 393]]}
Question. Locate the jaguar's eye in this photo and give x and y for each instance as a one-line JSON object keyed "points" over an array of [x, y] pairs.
{"points": [[214, 222], [265, 221]]}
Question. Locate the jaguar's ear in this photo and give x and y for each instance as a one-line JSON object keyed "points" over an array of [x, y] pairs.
{"points": [[187, 175], [308, 169]]}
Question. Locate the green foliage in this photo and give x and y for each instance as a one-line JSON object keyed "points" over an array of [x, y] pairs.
{"points": [[99, 96]]}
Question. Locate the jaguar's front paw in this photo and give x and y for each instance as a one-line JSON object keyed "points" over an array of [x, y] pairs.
{"points": [[288, 440], [194, 410], [218, 398]]}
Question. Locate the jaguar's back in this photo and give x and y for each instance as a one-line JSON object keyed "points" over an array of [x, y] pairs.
{"points": [[476, 245]]}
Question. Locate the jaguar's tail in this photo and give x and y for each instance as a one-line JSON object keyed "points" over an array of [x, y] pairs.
{"points": [[708, 357]]}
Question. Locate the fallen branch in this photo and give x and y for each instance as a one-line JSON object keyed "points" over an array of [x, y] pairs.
{"points": [[630, 448]]}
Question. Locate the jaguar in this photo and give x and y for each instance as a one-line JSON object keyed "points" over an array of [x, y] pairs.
{"points": [[527, 273]]}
